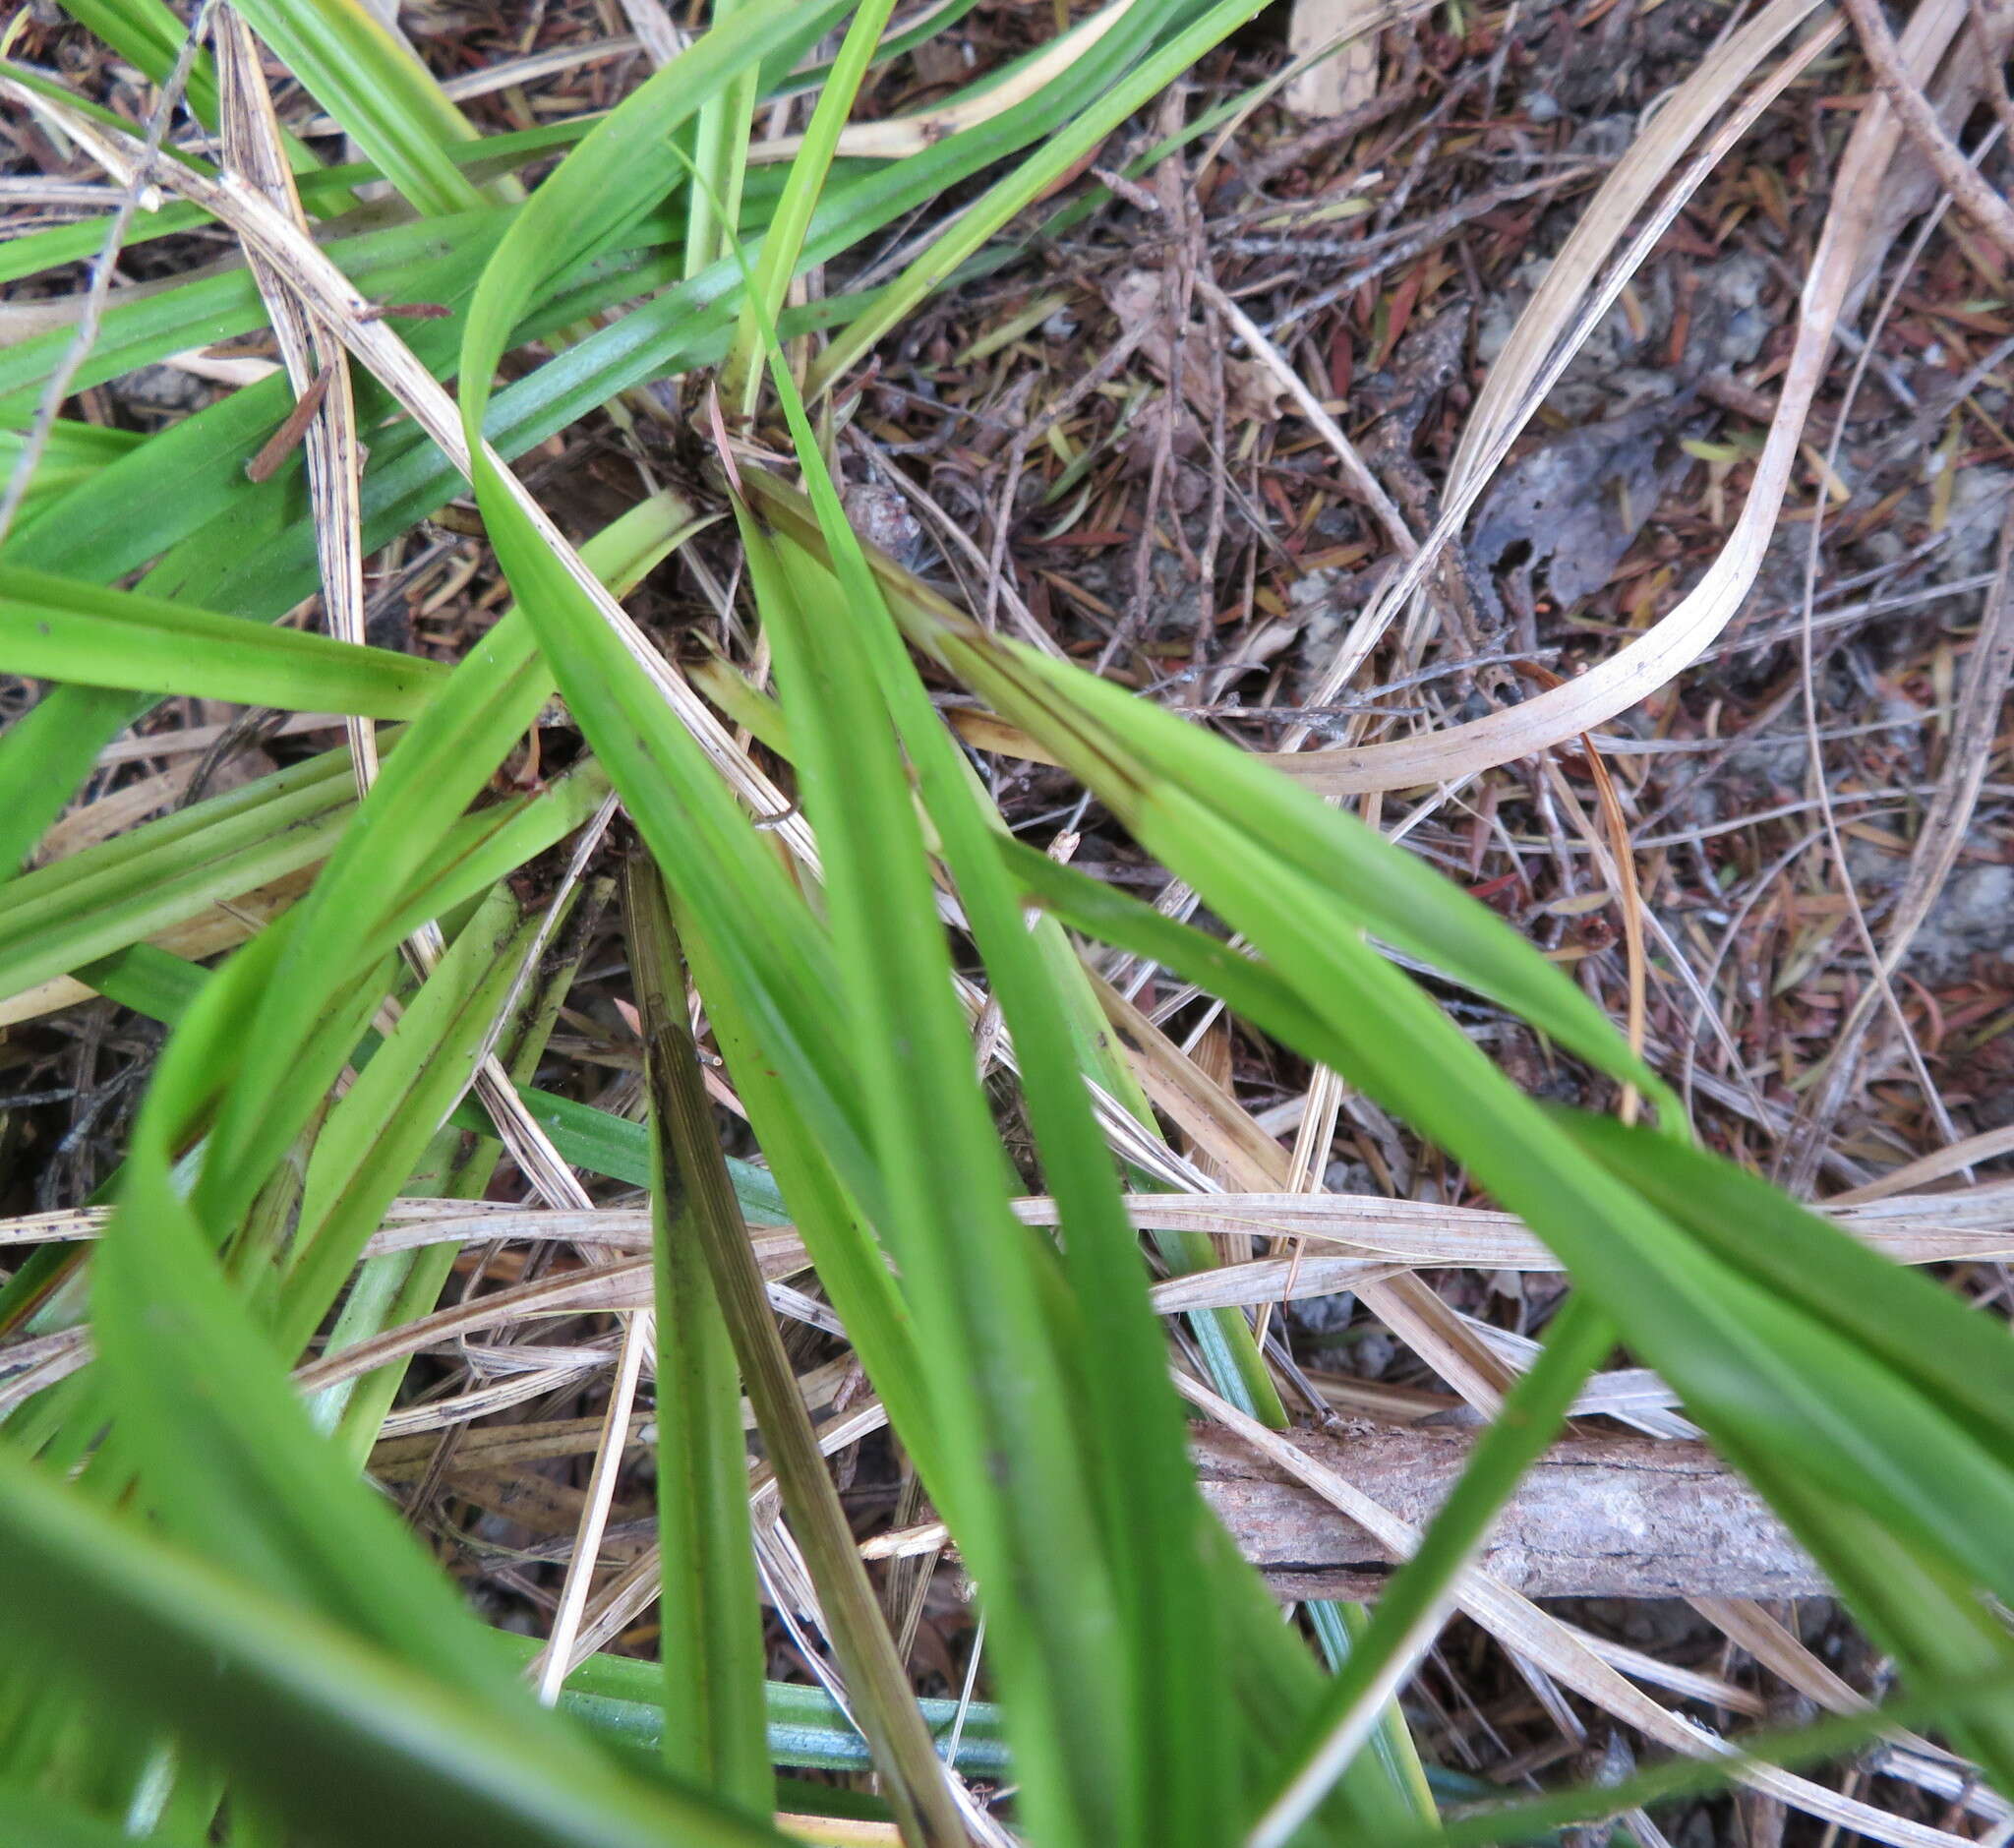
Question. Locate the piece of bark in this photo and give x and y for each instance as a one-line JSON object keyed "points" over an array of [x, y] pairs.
{"points": [[1348, 76], [1598, 1517]]}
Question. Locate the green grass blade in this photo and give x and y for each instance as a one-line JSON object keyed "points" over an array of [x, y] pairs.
{"points": [[1124, 747], [406, 850], [424, 261], [74, 454], [75, 911], [850, 1263], [776, 262], [58, 629], [930, 25], [876, 1681], [151, 37], [1929, 1618], [972, 1281], [615, 176], [43, 757], [719, 135], [226, 1452], [1072, 139], [1747, 1357], [457, 1165], [1836, 1737], [1136, 1439], [1914, 1326], [378, 1130], [710, 1626], [163, 986], [51, 1823], [619, 1695], [339, 1738], [386, 99]]}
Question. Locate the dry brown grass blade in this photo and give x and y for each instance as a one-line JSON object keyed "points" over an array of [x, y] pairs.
{"points": [[1959, 1156], [1751, 1628], [1527, 368], [1972, 1225], [1219, 1124], [312, 356], [1355, 469]]}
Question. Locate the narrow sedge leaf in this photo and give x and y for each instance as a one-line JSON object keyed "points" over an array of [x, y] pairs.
{"points": [[617, 1695], [1136, 1452], [1919, 1329], [850, 1263], [617, 173], [1744, 1359], [709, 1610], [53, 1823], [1124, 747], [74, 454], [341, 1739], [407, 846], [418, 262], [58, 629], [1145, 1483], [1378, 886], [73, 912], [455, 1167], [378, 1130], [384, 97], [776, 262], [720, 135], [1835, 1738], [226, 1451], [1916, 1608], [163, 987], [875, 1677], [973, 1281]]}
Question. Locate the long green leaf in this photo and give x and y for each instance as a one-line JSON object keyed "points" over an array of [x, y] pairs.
{"points": [[45, 756], [397, 1288], [376, 1133], [58, 629], [616, 175], [874, 1674], [972, 1279], [341, 1739], [75, 911], [50, 1823], [370, 82], [709, 1613], [1915, 1328]]}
